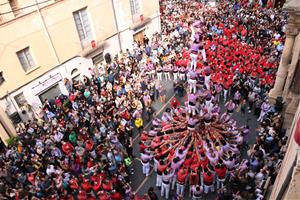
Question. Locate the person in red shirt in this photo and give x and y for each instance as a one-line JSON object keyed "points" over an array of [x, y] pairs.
{"points": [[86, 185], [96, 182], [161, 167], [115, 195], [208, 181], [220, 170], [193, 180], [203, 162], [103, 195], [74, 184], [142, 146], [89, 144], [81, 195], [188, 160], [107, 185], [67, 148], [174, 103], [181, 178]]}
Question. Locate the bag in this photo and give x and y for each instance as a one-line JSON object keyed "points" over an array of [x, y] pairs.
{"points": [[238, 109], [138, 122], [127, 161]]}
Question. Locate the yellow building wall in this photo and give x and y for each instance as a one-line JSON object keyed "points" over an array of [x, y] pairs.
{"points": [[28, 30], [149, 8], [63, 30], [29, 4], [17, 35], [63, 33]]}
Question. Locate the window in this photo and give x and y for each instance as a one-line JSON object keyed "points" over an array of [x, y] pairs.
{"points": [[98, 58], [20, 100], [1, 19], [83, 25], [135, 7], [1, 78], [15, 7], [25, 59]]}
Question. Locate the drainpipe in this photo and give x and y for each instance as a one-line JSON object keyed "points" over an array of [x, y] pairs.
{"points": [[116, 24], [47, 32]]}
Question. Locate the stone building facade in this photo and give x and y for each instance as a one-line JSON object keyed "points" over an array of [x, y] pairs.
{"points": [[287, 84]]}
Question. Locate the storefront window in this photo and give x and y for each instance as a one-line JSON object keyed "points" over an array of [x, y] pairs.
{"points": [[50, 93], [20, 100]]}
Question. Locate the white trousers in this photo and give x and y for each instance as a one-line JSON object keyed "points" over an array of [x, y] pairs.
{"points": [[146, 168], [165, 190], [203, 54], [155, 165], [192, 110], [167, 76], [207, 81], [173, 181], [220, 183], [158, 180], [159, 76], [208, 188], [193, 61], [225, 93], [182, 76], [180, 189], [175, 75], [193, 85]]}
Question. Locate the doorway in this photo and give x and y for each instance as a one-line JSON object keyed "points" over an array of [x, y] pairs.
{"points": [[139, 36]]}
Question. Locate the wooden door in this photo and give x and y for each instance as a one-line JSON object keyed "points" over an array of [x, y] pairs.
{"points": [[139, 36]]}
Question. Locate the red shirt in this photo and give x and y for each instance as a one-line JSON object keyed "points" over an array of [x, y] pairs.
{"points": [[72, 97], [86, 185], [221, 172], [144, 137], [181, 176], [187, 162], [107, 185], [89, 145], [67, 148], [174, 103], [203, 163], [116, 196], [73, 184], [81, 195], [142, 147], [194, 180], [161, 168], [97, 182], [208, 180], [103, 196]]}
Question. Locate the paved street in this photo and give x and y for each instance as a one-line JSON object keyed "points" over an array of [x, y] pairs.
{"points": [[140, 183]]}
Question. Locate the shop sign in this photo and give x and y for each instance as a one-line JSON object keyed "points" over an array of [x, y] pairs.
{"points": [[43, 85]]}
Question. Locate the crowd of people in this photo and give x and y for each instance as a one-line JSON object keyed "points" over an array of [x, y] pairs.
{"points": [[231, 55], [80, 145]]}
